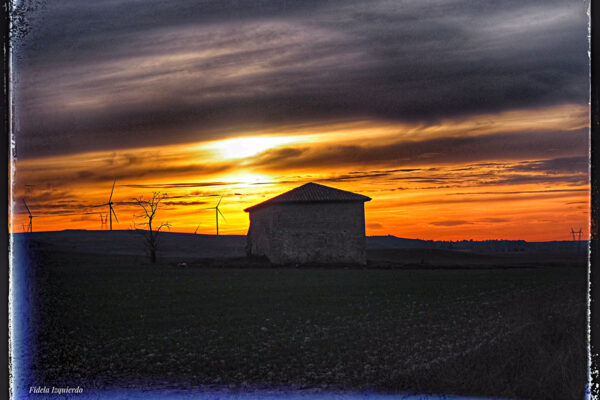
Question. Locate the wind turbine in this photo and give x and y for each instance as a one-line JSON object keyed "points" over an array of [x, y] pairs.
{"points": [[578, 233], [103, 221], [217, 212], [30, 227], [111, 211]]}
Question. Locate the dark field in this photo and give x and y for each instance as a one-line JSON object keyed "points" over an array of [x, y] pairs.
{"points": [[109, 321]]}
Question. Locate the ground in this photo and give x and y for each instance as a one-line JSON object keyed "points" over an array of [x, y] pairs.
{"points": [[106, 321]]}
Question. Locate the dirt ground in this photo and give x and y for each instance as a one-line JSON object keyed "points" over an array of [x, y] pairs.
{"points": [[110, 320]]}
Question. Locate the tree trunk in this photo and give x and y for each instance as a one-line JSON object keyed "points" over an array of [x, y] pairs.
{"points": [[153, 255]]}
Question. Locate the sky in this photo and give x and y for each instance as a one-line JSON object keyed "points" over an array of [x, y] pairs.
{"points": [[460, 119]]}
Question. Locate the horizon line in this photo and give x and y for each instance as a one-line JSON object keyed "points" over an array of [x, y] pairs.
{"points": [[366, 236]]}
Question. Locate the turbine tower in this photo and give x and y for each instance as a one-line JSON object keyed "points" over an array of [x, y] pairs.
{"points": [[217, 212], [578, 233], [103, 221], [111, 211], [30, 227]]}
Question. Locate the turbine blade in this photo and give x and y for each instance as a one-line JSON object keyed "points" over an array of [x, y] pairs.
{"points": [[219, 201], [114, 213], [24, 202], [113, 189], [219, 211], [196, 230]]}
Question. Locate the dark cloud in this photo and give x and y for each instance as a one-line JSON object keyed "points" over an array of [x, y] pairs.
{"points": [[570, 171], [49, 194], [41, 206], [504, 199], [147, 169], [355, 177], [501, 146], [179, 185], [184, 203], [156, 168], [537, 179], [519, 192], [450, 223], [493, 220], [118, 74], [555, 166]]}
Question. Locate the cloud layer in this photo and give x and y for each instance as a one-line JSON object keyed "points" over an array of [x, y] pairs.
{"points": [[123, 74]]}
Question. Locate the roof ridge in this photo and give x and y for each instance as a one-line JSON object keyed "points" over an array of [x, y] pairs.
{"points": [[312, 192]]}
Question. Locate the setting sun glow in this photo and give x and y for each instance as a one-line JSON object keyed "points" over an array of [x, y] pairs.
{"points": [[421, 189], [247, 146]]}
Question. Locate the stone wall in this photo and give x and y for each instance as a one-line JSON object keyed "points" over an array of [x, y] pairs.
{"points": [[309, 232]]}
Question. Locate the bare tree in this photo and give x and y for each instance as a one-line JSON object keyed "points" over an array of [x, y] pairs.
{"points": [[151, 234]]}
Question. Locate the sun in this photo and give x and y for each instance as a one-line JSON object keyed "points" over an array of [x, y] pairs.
{"points": [[244, 147], [246, 179]]}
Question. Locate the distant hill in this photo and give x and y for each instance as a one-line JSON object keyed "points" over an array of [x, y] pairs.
{"points": [[382, 251], [484, 246], [126, 242], [177, 245]]}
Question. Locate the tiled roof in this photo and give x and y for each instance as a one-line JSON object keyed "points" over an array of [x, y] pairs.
{"points": [[311, 192]]}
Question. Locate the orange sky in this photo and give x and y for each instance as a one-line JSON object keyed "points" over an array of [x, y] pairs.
{"points": [[507, 175]]}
